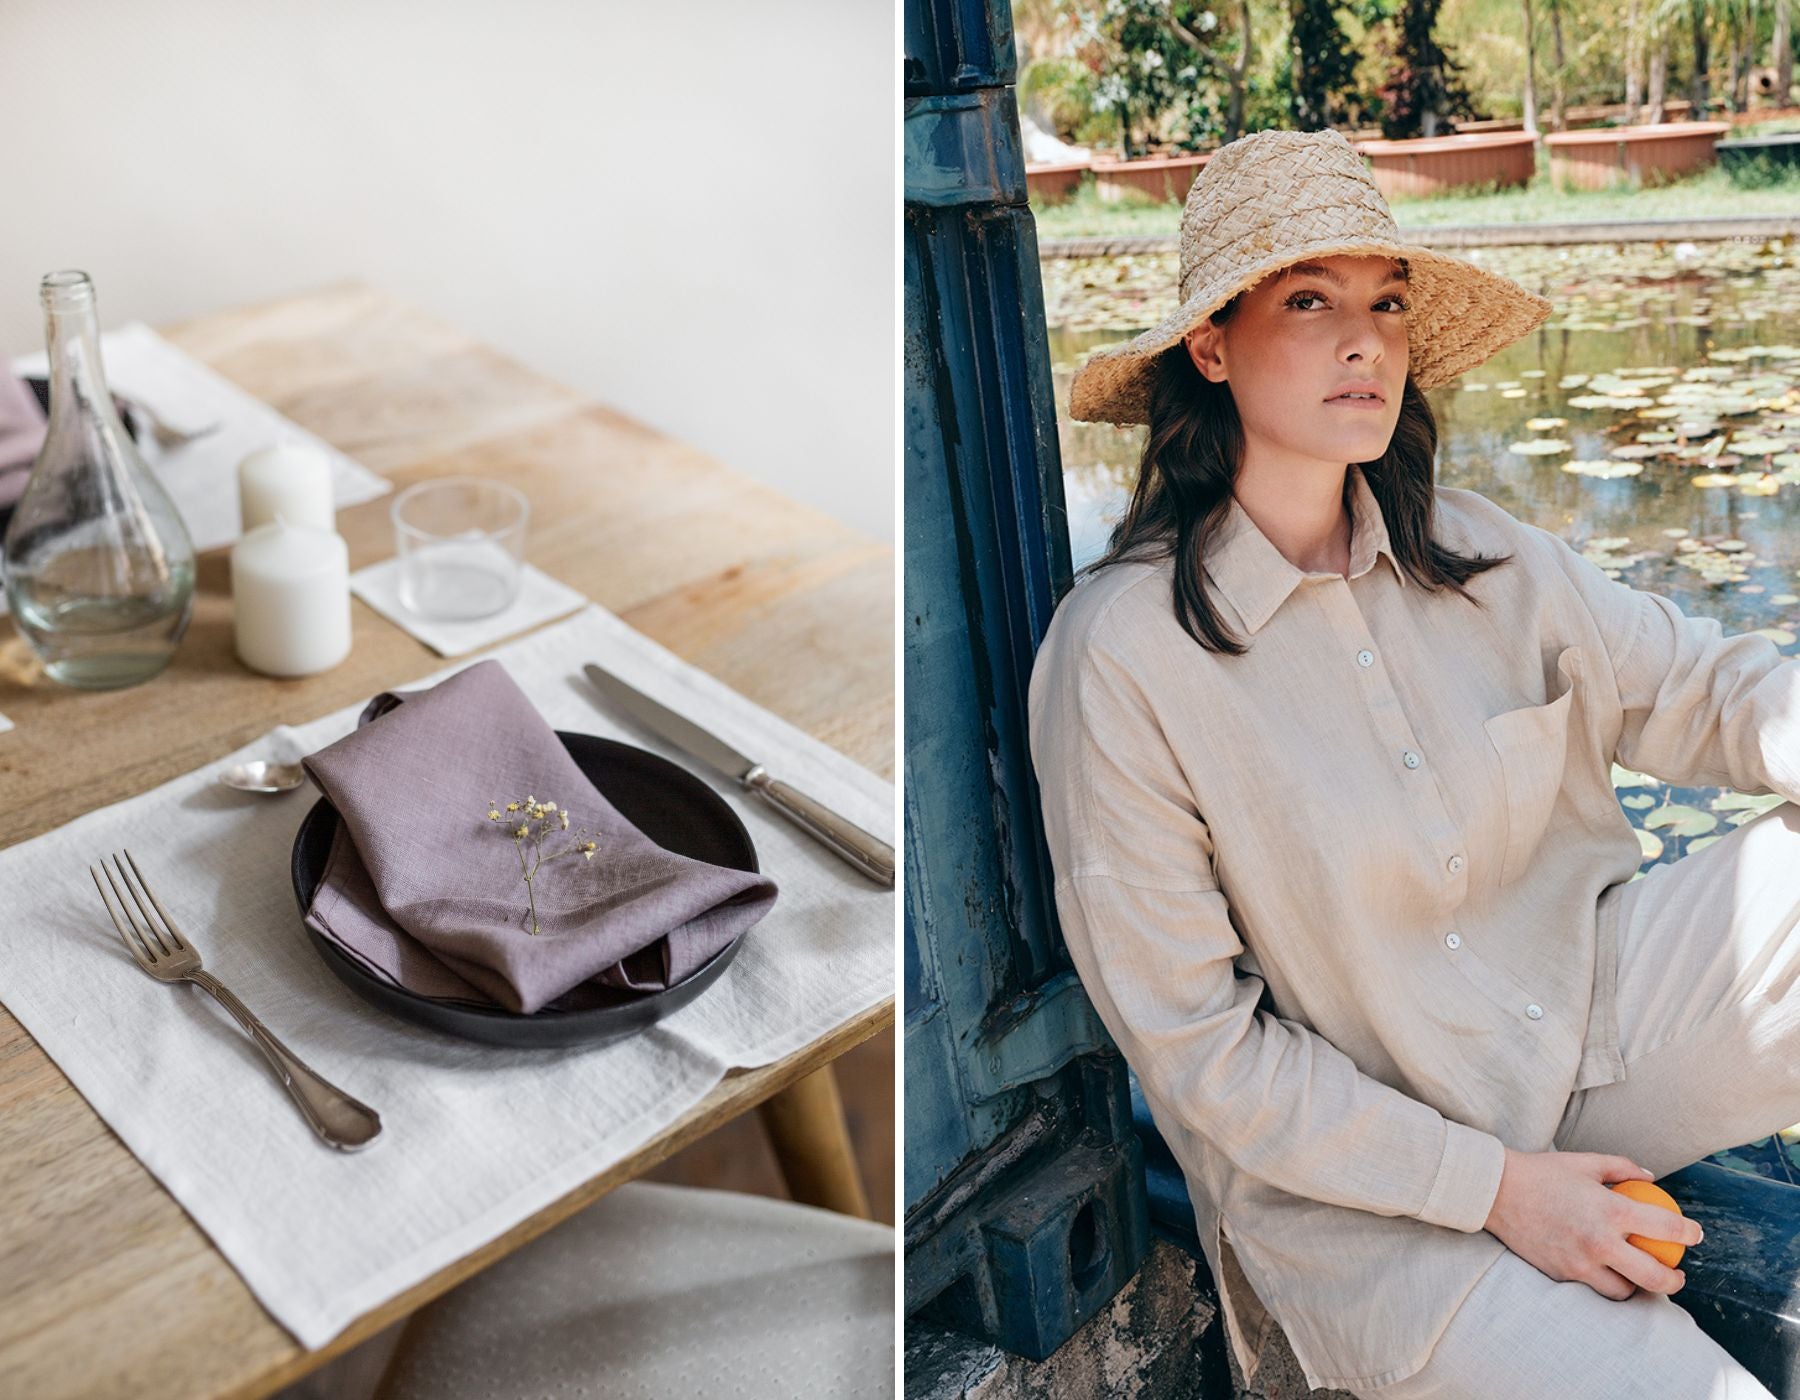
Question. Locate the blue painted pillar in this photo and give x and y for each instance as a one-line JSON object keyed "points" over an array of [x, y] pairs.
{"points": [[1025, 1206]]}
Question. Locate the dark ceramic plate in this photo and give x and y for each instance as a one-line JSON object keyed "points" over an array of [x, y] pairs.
{"points": [[664, 801]]}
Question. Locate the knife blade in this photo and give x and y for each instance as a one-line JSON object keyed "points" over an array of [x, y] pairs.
{"points": [[866, 853]]}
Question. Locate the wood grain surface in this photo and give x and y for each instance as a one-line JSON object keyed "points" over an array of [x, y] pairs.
{"points": [[106, 1287]]}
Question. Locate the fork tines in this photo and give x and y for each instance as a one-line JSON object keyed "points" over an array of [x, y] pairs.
{"points": [[167, 938]]}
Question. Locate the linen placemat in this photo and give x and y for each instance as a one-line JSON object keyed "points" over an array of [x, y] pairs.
{"points": [[201, 475], [475, 1138], [540, 599]]}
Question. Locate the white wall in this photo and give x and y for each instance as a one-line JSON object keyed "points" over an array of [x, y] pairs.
{"points": [[510, 166]]}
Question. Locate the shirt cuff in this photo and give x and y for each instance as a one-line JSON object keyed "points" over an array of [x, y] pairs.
{"points": [[1468, 1179]]}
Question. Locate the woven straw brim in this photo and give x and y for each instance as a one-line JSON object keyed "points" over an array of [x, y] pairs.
{"points": [[1457, 315]]}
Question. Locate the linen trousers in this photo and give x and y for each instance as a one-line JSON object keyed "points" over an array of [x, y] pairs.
{"points": [[1708, 949]]}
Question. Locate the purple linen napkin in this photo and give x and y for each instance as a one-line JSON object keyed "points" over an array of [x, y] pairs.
{"points": [[424, 889], [21, 434]]}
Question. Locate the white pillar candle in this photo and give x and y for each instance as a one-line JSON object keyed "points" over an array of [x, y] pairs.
{"points": [[292, 481], [290, 588]]}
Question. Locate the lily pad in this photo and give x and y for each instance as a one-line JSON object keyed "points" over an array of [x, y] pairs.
{"points": [[1538, 447], [1729, 801], [1681, 820]]}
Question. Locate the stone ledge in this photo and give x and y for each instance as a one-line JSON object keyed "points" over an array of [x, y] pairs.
{"points": [[1161, 1338], [1488, 235]]}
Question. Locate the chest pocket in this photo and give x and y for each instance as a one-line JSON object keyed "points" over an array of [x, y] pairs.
{"points": [[1533, 745]]}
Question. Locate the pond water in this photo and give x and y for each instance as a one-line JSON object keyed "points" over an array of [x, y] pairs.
{"points": [[1653, 422]]}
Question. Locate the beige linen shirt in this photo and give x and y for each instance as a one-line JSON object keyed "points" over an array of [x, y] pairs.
{"points": [[1339, 900]]}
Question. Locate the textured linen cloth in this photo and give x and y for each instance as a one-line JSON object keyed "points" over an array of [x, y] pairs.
{"points": [[1340, 899], [425, 890], [540, 599], [1709, 952], [667, 1291], [201, 475], [475, 1138]]}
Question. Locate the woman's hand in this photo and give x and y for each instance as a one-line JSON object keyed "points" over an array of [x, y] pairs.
{"points": [[1555, 1212]]}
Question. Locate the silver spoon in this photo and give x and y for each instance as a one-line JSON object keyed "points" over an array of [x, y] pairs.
{"points": [[258, 776]]}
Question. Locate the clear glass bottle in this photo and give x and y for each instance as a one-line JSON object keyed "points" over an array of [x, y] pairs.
{"points": [[98, 566]]}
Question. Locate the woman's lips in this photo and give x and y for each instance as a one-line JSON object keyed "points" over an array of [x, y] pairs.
{"points": [[1365, 404]]}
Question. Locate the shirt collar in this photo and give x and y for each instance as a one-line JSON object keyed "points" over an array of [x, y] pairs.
{"points": [[1257, 578]]}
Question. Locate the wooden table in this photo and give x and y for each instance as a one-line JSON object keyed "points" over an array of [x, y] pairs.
{"points": [[106, 1287]]}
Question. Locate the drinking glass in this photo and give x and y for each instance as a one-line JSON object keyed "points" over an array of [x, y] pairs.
{"points": [[461, 544]]}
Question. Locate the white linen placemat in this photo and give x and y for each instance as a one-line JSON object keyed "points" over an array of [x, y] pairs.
{"points": [[475, 1138], [540, 599], [201, 475]]}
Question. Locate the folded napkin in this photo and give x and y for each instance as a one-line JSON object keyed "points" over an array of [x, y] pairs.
{"points": [[21, 434], [424, 889]]}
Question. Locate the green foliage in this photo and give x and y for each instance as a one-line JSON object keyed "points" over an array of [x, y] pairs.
{"points": [[1152, 57], [1763, 172], [1424, 86], [1320, 64], [1058, 92]]}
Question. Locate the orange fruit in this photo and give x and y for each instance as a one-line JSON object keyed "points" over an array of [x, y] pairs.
{"points": [[1668, 1252]]}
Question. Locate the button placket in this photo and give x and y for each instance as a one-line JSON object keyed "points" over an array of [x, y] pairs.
{"points": [[1390, 720]]}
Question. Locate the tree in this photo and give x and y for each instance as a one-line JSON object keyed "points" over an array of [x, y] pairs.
{"points": [[1240, 66], [1323, 65], [1634, 59], [1699, 86], [1424, 87], [1156, 64], [1558, 61], [1531, 121], [1782, 55]]}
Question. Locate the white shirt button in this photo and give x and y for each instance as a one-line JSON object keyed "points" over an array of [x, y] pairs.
{"points": [[1411, 760], [1456, 864], [1365, 658], [1453, 940], [1535, 1011]]}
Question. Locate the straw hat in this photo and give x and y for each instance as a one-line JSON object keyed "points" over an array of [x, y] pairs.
{"points": [[1276, 198]]}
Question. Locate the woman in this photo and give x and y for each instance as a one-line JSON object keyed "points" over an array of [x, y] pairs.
{"points": [[1325, 754]]}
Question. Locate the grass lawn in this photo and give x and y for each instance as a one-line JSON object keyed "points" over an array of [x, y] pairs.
{"points": [[1706, 195]]}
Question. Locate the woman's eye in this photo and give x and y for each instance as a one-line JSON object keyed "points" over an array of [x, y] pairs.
{"points": [[1398, 303], [1299, 297]]}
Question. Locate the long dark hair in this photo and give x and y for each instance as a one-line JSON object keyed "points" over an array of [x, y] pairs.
{"points": [[1191, 461]]}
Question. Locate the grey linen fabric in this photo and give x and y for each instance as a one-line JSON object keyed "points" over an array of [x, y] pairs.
{"points": [[1347, 901], [424, 890]]}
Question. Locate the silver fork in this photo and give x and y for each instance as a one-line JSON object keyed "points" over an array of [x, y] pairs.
{"points": [[158, 947]]}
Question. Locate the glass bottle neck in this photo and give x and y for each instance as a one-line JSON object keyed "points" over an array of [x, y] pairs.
{"points": [[72, 338]]}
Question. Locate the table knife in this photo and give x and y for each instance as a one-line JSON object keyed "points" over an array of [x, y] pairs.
{"points": [[872, 856]]}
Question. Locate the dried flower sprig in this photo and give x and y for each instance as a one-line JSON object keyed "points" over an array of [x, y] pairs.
{"points": [[529, 822]]}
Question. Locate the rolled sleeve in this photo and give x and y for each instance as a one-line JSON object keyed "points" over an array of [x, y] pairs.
{"points": [[1698, 708]]}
